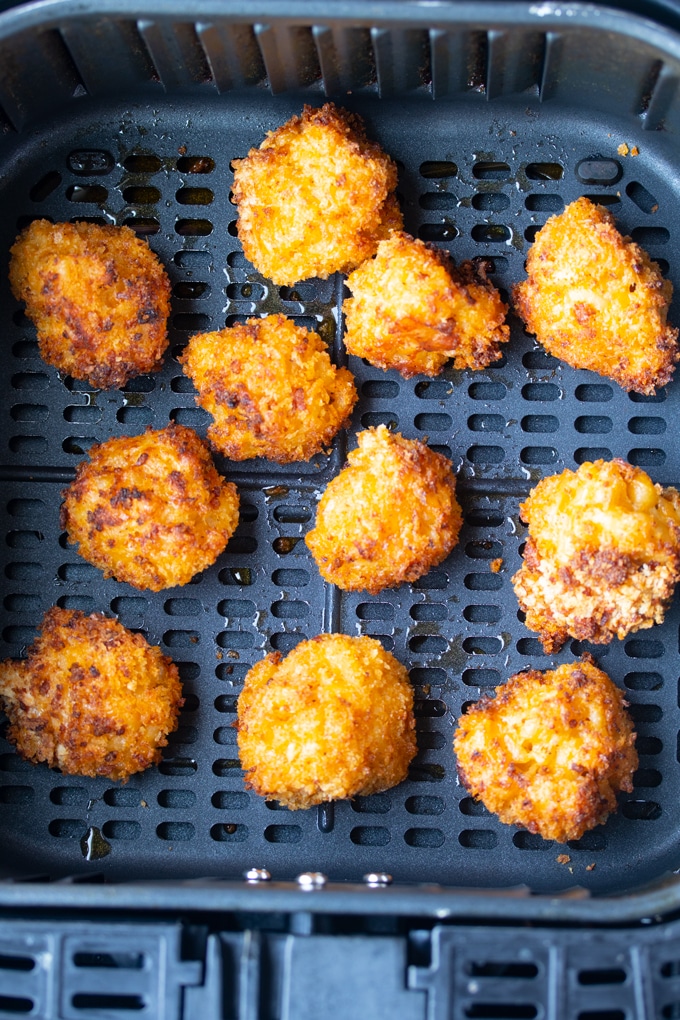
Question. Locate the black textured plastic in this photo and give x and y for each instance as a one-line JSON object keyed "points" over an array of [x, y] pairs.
{"points": [[585, 974], [64, 970], [480, 171], [67, 969]]}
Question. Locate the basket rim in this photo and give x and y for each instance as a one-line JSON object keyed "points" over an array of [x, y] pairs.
{"points": [[543, 15], [210, 896]]}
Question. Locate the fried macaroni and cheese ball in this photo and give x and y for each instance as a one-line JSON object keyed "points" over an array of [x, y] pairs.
{"points": [[315, 198], [389, 516], [271, 388], [603, 553], [92, 698], [596, 300], [550, 751], [412, 310], [331, 720], [151, 509], [98, 296]]}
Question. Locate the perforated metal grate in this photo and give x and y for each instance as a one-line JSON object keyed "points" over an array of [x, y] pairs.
{"points": [[478, 180]]}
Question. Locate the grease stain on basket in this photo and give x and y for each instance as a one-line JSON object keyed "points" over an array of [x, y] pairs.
{"points": [[285, 544], [455, 658], [276, 491], [93, 846], [242, 575]]}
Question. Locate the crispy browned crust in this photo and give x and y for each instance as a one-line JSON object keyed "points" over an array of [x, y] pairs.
{"points": [[92, 698], [596, 300], [388, 517], [550, 752], [603, 554], [412, 310], [332, 720], [151, 509], [315, 198], [271, 388], [98, 296]]}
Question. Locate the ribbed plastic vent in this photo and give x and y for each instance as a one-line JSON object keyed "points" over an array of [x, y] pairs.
{"points": [[86, 970], [99, 56]]}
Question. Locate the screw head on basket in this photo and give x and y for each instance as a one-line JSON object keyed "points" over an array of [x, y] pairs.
{"points": [[377, 879], [309, 880], [257, 875]]}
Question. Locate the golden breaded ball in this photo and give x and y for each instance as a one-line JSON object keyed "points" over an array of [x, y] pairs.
{"points": [[603, 553], [151, 509], [389, 516], [315, 198], [550, 752], [331, 720], [92, 698], [98, 296], [596, 300], [412, 310], [271, 388]]}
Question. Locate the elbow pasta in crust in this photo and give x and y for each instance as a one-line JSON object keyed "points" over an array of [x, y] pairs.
{"points": [[602, 556], [99, 297]]}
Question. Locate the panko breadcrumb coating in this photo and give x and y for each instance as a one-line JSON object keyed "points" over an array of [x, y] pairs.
{"points": [[412, 310], [389, 516], [332, 720], [271, 388], [596, 300], [98, 296], [92, 698], [603, 553], [550, 752], [151, 509], [315, 198]]}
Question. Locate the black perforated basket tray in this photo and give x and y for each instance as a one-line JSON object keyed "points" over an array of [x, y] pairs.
{"points": [[498, 116]]}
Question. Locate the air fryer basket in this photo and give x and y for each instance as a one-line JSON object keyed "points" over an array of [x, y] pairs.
{"points": [[498, 117]]}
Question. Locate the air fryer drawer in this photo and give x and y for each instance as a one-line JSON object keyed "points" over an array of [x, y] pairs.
{"points": [[124, 117]]}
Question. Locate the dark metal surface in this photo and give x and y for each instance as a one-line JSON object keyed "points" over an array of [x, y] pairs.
{"points": [[480, 169]]}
